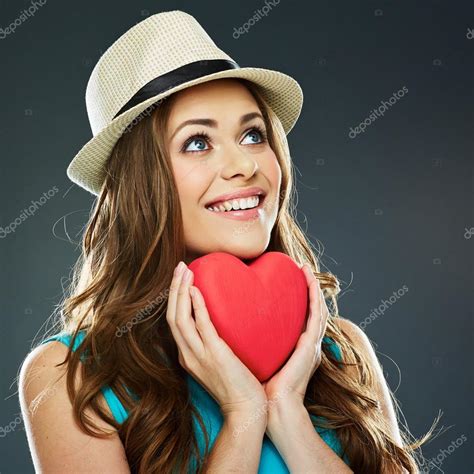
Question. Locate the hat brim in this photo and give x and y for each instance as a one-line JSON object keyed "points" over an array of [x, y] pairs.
{"points": [[282, 93]]}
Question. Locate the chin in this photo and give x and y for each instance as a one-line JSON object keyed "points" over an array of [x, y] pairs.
{"points": [[245, 248], [248, 253]]}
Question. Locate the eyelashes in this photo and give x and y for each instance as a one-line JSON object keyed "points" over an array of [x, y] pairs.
{"points": [[197, 136], [260, 130], [204, 136]]}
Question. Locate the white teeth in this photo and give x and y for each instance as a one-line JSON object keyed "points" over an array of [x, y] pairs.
{"points": [[236, 204]]}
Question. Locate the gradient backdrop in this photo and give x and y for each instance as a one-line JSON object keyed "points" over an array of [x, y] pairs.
{"points": [[390, 206]]}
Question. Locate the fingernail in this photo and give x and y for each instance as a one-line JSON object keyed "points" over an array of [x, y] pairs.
{"points": [[187, 275], [179, 269]]}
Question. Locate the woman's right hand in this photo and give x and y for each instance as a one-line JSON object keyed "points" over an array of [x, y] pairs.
{"points": [[205, 355]]}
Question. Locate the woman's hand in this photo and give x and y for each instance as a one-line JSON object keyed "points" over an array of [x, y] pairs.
{"points": [[292, 379], [205, 355]]}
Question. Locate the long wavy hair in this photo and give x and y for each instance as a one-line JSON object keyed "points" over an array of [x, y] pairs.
{"points": [[131, 244]]}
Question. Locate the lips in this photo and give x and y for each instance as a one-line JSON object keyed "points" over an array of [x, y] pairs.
{"points": [[252, 214], [243, 193]]}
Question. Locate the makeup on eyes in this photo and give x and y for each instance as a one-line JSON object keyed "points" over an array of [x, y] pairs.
{"points": [[203, 135]]}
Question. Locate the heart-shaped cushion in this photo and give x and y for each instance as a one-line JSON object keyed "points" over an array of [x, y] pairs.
{"points": [[258, 308]]}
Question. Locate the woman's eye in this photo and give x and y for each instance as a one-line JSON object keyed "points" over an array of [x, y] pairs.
{"points": [[254, 135], [198, 144]]}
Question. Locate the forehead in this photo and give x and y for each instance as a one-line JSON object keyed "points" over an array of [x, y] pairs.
{"points": [[221, 97]]}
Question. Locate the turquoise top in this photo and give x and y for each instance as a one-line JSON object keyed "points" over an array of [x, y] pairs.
{"points": [[270, 460]]}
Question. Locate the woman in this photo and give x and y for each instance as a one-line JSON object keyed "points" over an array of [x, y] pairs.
{"points": [[136, 378]]}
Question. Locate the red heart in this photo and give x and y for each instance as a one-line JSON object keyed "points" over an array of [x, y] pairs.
{"points": [[259, 309]]}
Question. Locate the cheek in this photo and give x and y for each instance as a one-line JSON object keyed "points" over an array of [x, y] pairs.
{"points": [[192, 180], [271, 169]]}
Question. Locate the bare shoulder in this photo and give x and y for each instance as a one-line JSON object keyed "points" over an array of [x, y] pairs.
{"points": [[41, 363], [364, 345], [56, 442], [357, 335], [360, 341]]}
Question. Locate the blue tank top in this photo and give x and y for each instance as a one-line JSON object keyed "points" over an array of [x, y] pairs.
{"points": [[271, 461]]}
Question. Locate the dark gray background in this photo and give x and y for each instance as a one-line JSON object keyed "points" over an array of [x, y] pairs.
{"points": [[391, 207]]}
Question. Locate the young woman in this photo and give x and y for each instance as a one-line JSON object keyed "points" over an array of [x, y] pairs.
{"points": [[135, 377]]}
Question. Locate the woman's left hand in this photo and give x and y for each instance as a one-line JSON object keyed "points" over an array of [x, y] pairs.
{"points": [[291, 381]]}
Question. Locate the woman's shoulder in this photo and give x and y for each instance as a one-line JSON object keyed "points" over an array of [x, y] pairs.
{"points": [[50, 421], [46, 357], [346, 324], [42, 376], [355, 333], [357, 338], [67, 339], [44, 366]]}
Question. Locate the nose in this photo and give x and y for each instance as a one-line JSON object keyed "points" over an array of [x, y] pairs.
{"points": [[237, 163]]}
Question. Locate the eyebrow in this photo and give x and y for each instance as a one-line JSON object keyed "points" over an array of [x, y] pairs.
{"points": [[213, 123]]}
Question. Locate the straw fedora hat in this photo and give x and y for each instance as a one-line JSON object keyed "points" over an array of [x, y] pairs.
{"points": [[163, 54]]}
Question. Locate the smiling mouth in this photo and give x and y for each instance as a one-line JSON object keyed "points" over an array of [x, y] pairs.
{"points": [[240, 205]]}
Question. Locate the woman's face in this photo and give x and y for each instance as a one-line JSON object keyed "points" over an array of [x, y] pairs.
{"points": [[216, 148]]}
